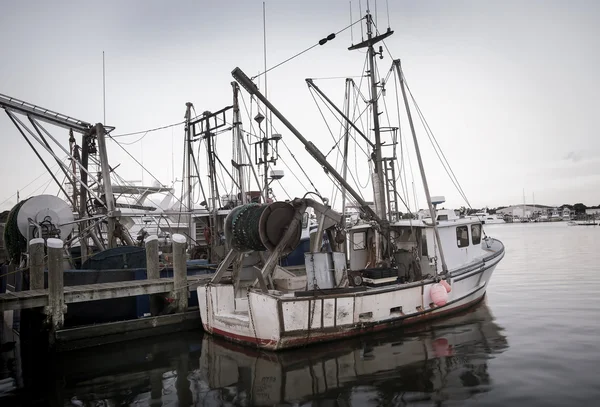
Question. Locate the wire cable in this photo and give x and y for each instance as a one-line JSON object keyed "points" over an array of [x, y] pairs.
{"points": [[321, 42]]}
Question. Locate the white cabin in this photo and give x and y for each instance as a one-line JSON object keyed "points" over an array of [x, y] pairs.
{"points": [[415, 239]]}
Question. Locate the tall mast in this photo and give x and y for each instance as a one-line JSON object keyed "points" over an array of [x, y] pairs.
{"points": [[421, 169], [345, 162], [188, 170], [108, 194], [237, 136], [378, 186]]}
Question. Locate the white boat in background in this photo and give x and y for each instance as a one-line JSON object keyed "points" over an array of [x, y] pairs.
{"points": [[587, 222], [397, 272], [487, 219]]}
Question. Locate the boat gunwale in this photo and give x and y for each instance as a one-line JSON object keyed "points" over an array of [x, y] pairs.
{"points": [[477, 267]]}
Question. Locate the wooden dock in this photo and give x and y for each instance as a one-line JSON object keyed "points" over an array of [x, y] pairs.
{"points": [[92, 292], [51, 304]]}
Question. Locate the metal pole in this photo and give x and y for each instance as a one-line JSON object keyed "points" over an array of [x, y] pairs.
{"points": [[188, 144], [265, 163], [237, 135], [379, 188], [108, 194], [421, 169], [345, 162], [214, 192], [83, 198]]}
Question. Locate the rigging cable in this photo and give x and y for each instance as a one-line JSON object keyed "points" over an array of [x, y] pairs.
{"points": [[433, 140], [35, 179], [331, 133], [321, 42], [147, 131], [133, 142], [403, 181], [138, 163]]}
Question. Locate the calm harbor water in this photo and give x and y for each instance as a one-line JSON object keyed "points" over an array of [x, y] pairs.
{"points": [[534, 341]]}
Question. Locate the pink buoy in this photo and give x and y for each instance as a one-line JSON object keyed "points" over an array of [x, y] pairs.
{"points": [[441, 347], [438, 294], [446, 286]]}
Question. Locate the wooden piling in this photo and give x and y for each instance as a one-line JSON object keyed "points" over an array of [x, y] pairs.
{"points": [[56, 299], [36, 264], [153, 270], [180, 273]]}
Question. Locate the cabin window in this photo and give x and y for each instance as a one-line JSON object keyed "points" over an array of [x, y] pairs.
{"points": [[359, 240], [476, 234], [462, 236], [442, 217]]}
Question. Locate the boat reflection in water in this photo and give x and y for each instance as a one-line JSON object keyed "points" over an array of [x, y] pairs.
{"points": [[445, 360]]}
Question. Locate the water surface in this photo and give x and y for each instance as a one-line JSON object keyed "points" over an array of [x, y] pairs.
{"points": [[533, 341]]}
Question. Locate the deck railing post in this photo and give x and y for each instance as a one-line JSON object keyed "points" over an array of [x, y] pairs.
{"points": [[152, 270], [56, 297], [180, 286], [36, 264]]}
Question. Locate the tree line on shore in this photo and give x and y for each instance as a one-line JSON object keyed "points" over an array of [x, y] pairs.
{"points": [[577, 208]]}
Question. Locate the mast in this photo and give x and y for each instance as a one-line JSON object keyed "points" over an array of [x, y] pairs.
{"points": [[108, 194], [237, 136], [214, 192], [379, 190], [345, 162], [421, 169], [378, 182], [188, 169]]}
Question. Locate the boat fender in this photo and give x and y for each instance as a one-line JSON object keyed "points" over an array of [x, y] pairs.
{"points": [[446, 285], [438, 294]]}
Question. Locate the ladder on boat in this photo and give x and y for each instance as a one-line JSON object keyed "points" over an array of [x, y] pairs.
{"points": [[389, 172]]}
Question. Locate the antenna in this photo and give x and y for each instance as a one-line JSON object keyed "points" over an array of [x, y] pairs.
{"points": [[103, 88], [265, 58]]}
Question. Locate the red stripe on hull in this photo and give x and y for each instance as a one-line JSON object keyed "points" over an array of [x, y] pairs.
{"points": [[315, 337]]}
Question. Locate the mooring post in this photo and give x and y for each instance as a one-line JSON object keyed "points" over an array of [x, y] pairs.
{"points": [[36, 264], [56, 299], [180, 286], [152, 270]]}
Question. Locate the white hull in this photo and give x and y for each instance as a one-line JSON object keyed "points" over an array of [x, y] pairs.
{"points": [[278, 321]]}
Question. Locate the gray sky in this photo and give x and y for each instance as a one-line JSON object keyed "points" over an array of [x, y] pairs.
{"points": [[509, 88]]}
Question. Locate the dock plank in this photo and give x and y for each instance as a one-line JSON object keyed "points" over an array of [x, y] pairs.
{"points": [[92, 292]]}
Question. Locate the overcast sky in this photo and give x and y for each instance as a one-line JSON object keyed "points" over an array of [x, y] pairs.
{"points": [[509, 88]]}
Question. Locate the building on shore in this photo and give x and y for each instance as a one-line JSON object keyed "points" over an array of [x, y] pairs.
{"points": [[527, 211], [593, 211]]}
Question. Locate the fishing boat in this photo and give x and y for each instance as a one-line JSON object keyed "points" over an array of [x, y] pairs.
{"points": [[103, 219], [394, 272]]}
